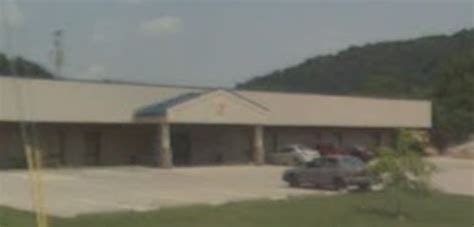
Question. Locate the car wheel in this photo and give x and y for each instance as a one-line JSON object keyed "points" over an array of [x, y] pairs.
{"points": [[364, 187], [339, 184], [294, 181]]}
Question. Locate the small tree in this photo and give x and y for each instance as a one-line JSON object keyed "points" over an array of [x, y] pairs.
{"points": [[403, 169]]}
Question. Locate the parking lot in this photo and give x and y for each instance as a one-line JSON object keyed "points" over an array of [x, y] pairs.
{"points": [[78, 191], [454, 175]]}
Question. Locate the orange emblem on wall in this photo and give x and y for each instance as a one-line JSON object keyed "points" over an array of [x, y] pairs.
{"points": [[220, 106]]}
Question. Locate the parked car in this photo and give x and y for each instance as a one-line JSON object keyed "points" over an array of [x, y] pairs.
{"points": [[327, 148], [292, 155], [361, 152], [335, 171]]}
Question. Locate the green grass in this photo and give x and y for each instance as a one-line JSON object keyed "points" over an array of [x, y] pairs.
{"points": [[351, 210]]}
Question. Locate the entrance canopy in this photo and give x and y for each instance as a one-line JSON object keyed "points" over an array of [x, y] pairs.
{"points": [[213, 107]]}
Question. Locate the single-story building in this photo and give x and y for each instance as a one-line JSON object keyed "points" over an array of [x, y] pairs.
{"points": [[79, 123]]}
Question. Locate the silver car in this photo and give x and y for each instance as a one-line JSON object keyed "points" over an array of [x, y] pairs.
{"points": [[292, 155], [336, 171]]}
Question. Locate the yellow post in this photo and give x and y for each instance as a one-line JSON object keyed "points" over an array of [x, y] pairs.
{"points": [[34, 167], [31, 172], [40, 191]]}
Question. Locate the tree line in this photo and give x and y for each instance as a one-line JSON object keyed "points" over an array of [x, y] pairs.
{"points": [[439, 68], [20, 67]]}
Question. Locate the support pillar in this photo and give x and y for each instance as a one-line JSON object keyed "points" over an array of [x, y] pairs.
{"points": [[258, 146], [164, 148]]}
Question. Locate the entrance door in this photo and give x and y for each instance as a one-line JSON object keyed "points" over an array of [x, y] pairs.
{"points": [[93, 147], [181, 146]]}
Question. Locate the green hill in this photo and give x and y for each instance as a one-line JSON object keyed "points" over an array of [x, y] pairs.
{"points": [[21, 67], [440, 68], [396, 68]]}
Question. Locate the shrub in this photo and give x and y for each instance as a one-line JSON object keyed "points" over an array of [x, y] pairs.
{"points": [[403, 169]]}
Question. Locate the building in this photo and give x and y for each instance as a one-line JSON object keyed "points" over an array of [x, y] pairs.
{"points": [[89, 123]]}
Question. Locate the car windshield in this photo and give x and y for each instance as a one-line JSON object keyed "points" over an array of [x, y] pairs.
{"points": [[286, 150], [352, 162], [314, 164], [303, 147]]}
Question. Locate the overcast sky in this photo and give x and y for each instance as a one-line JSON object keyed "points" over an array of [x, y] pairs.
{"points": [[212, 43]]}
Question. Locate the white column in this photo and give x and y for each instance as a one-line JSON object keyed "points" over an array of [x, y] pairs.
{"points": [[164, 147], [258, 147]]}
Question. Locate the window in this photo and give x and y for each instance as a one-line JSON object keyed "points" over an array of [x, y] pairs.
{"points": [[329, 162], [314, 164], [286, 150], [338, 137], [378, 138], [303, 147], [92, 148]]}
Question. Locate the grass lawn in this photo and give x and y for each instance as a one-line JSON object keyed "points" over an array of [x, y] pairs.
{"points": [[351, 210]]}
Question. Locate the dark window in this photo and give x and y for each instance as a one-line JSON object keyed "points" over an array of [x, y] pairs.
{"points": [[62, 147], [339, 139], [286, 150], [314, 164], [329, 162], [93, 147], [378, 138]]}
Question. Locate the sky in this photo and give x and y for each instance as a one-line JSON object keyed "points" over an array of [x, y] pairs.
{"points": [[211, 42]]}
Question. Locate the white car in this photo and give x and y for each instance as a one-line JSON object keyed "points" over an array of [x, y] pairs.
{"points": [[292, 155]]}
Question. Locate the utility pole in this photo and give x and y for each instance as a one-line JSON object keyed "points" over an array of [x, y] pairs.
{"points": [[58, 53]]}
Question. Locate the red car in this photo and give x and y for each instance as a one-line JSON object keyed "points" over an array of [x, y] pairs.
{"points": [[361, 152], [326, 149]]}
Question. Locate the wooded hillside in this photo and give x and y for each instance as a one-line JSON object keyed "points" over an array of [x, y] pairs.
{"points": [[439, 68]]}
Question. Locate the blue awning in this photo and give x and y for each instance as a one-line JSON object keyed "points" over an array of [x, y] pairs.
{"points": [[160, 107]]}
